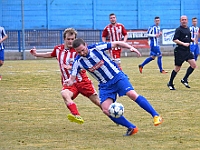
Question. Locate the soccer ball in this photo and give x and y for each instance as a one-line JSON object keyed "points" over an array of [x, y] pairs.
{"points": [[116, 110]]}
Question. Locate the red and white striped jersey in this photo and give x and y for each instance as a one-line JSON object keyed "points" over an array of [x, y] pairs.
{"points": [[114, 33], [66, 57]]}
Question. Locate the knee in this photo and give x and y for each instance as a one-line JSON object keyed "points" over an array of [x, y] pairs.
{"points": [[1, 63]]}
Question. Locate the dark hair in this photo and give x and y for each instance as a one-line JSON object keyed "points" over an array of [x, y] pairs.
{"points": [[157, 17], [77, 42], [111, 14], [194, 18]]}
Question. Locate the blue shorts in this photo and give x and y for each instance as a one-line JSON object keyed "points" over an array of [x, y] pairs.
{"points": [[118, 85], [194, 49], [155, 51], [2, 54]]}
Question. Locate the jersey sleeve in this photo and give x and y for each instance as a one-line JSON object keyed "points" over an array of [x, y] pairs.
{"points": [[176, 34], [3, 32], [53, 53], [103, 46], [124, 32], [75, 67], [105, 32], [151, 32]]}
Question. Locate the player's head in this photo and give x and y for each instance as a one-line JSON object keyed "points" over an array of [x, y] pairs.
{"points": [[80, 46], [184, 21], [69, 35], [157, 20], [194, 21], [112, 18]]}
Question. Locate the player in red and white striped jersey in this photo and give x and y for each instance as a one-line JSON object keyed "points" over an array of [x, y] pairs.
{"points": [[65, 55], [115, 32]]}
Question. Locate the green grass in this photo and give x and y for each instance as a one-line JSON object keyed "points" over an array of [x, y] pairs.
{"points": [[33, 114]]}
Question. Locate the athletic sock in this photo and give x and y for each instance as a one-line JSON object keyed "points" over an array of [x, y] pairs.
{"points": [[173, 75], [143, 103], [188, 72], [159, 62], [73, 109], [147, 60], [122, 121]]}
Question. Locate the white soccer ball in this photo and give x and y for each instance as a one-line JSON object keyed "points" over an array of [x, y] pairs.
{"points": [[116, 110]]}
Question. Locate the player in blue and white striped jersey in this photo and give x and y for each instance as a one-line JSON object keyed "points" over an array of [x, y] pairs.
{"points": [[194, 48], [3, 37], [112, 81], [153, 34]]}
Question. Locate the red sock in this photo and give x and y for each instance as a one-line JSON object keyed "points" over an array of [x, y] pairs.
{"points": [[72, 107]]}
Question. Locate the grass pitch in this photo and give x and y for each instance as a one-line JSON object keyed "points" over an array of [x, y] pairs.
{"points": [[33, 114]]}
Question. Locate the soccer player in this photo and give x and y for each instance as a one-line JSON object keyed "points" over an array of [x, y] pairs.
{"points": [[3, 37], [182, 38], [115, 32], [153, 34], [65, 55], [194, 47], [112, 80]]}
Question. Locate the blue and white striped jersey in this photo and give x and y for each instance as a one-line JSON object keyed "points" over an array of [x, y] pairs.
{"points": [[194, 33], [152, 31], [2, 34], [97, 63]]}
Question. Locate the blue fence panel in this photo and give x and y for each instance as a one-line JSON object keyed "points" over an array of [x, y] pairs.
{"points": [[45, 39]]}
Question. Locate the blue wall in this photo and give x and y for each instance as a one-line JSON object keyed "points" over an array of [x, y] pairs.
{"points": [[93, 14]]}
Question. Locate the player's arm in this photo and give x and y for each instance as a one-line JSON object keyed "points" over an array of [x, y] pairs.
{"points": [[5, 36], [44, 55], [176, 39], [104, 34], [70, 81], [124, 33], [152, 32], [125, 45]]}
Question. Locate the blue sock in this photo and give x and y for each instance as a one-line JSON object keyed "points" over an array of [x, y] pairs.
{"points": [[122, 121], [159, 62], [147, 60], [143, 103]]}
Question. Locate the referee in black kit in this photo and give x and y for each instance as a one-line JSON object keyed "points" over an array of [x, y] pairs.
{"points": [[182, 38]]}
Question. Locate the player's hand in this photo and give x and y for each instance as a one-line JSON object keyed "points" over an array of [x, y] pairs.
{"points": [[132, 49], [186, 44], [33, 51], [68, 67], [68, 82]]}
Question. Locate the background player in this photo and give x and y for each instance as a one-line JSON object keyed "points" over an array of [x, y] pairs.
{"points": [[65, 55], [3, 37], [153, 34], [115, 32], [194, 47], [112, 80]]}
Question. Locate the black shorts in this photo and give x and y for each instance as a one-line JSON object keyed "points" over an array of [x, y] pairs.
{"points": [[181, 56]]}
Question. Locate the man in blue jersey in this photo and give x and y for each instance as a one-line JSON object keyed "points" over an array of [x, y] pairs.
{"points": [[194, 48], [3, 37], [153, 34], [112, 80]]}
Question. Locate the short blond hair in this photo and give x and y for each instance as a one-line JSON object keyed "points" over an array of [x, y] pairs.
{"points": [[71, 31]]}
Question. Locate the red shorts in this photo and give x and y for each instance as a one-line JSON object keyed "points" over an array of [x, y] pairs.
{"points": [[115, 53], [85, 87]]}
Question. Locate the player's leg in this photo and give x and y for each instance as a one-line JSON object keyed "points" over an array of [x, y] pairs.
{"points": [[116, 55], [147, 60], [189, 71], [69, 93], [87, 89], [131, 128], [178, 61], [107, 97], [159, 60], [196, 52], [127, 89], [1, 59]]}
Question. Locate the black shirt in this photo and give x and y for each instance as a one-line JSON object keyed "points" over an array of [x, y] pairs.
{"points": [[183, 34]]}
